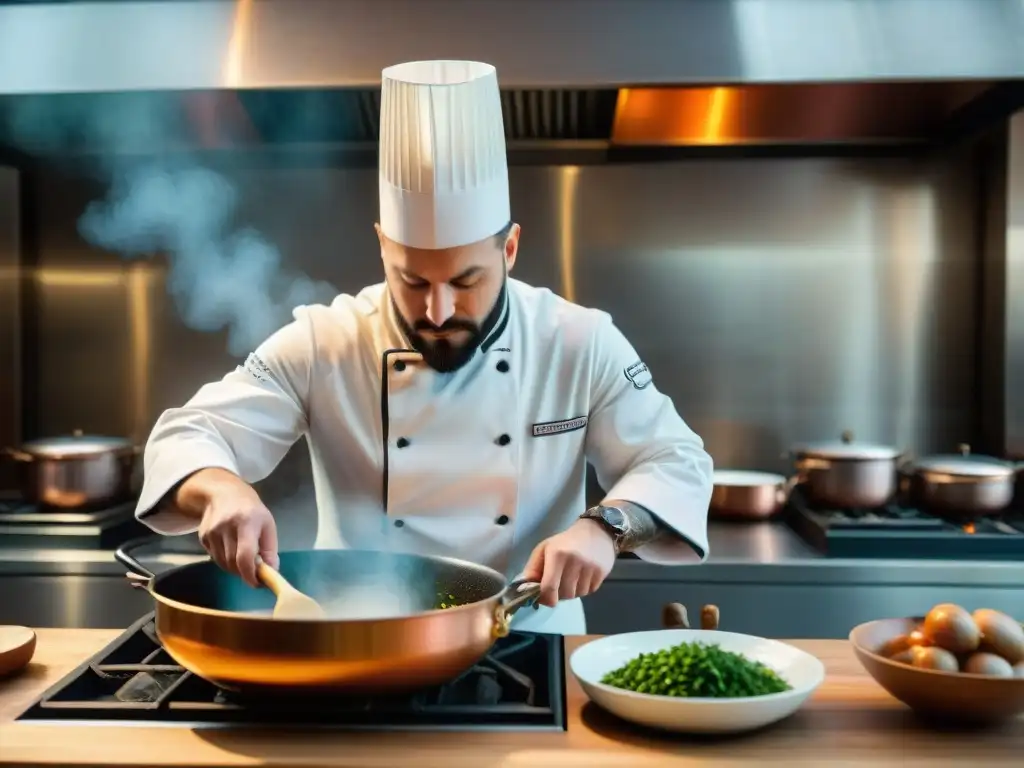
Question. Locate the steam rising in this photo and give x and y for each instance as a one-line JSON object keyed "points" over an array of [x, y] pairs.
{"points": [[391, 587], [220, 278], [223, 276]]}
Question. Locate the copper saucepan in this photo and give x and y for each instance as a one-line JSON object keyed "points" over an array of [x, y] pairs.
{"points": [[962, 486], [846, 474], [220, 629], [839, 474], [77, 470], [745, 495]]}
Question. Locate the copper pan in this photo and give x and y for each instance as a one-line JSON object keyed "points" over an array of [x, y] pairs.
{"points": [[963, 486], [220, 629], [76, 471], [746, 495]]}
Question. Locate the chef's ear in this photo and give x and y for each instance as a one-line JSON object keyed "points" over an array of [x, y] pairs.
{"points": [[511, 247], [380, 238]]}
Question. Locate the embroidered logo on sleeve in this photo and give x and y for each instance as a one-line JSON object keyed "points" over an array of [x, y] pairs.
{"points": [[558, 427], [256, 368], [638, 373]]}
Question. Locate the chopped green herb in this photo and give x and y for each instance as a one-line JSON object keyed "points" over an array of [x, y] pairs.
{"points": [[446, 601], [696, 670]]}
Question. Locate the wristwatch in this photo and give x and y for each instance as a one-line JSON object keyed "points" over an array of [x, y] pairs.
{"points": [[612, 519]]}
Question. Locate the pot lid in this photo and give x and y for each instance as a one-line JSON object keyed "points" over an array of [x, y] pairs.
{"points": [[966, 464], [847, 448], [75, 444], [747, 478]]}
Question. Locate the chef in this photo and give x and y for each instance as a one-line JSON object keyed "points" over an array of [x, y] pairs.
{"points": [[451, 409]]}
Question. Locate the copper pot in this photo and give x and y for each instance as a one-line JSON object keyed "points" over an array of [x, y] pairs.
{"points": [[742, 495], [963, 485], [220, 629], [845, 474], [76, 470]]}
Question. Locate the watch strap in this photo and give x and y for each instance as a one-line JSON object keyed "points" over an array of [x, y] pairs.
{"points": [[598, 514]]}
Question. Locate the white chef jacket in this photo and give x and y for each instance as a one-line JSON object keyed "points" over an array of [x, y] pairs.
{"points": [[480, 464]]}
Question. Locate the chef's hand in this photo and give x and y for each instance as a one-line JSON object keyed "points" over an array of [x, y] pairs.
{"points": [[235, 524], [571, 564]]}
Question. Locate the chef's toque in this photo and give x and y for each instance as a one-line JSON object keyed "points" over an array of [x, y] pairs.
{"points": [[443, 170]]}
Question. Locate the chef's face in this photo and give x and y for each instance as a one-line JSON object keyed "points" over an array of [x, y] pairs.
{"points": [[446, 299]]}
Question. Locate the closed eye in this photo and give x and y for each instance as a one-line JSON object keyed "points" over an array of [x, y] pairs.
{"points": [[462, 282]]}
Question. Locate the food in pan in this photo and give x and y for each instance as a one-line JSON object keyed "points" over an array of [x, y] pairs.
{"points": [[445, 600], [696, 670], [986, 642]]}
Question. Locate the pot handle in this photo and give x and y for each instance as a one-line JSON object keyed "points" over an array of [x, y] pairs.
{"points": [[516, 595], [787, 488], [17, 455], [905, 463], [138, 574]]}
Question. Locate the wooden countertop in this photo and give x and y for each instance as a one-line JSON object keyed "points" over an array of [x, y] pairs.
{"points": [[849, 722]]}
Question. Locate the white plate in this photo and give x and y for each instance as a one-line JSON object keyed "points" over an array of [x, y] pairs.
{"points": [[591, 662]]}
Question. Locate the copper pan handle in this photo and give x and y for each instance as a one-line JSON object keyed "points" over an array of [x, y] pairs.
{"points": [[516, 595], [138, 575]]}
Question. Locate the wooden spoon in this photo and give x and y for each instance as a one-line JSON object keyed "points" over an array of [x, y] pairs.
{"points": [[17, 646], [291, 604]]}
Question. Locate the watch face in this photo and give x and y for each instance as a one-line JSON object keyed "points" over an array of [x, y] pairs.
{"points": [[614, 517]]}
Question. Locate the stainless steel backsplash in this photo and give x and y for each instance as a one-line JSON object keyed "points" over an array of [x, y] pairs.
{"points": [[775, 300]]}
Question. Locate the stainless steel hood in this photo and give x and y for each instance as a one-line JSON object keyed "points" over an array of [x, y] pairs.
{"points": [[649, 72], [208, 44]]}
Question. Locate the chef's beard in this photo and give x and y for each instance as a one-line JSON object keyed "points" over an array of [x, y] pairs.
{"points": [[441, 354]]}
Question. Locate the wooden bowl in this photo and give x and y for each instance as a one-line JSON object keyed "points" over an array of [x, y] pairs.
{"points": [[17, 646], [954, 696]]}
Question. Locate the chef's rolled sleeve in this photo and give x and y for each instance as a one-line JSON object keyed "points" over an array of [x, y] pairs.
{"points": [[643, 452], [245, 423]]}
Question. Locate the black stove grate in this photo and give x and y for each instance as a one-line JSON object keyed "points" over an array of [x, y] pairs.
{"points": [[900, 532], [519, 685]]}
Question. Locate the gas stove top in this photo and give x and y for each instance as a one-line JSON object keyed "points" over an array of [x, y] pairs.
{"points": [[27, 525], [520, 685], [899, 532]]}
